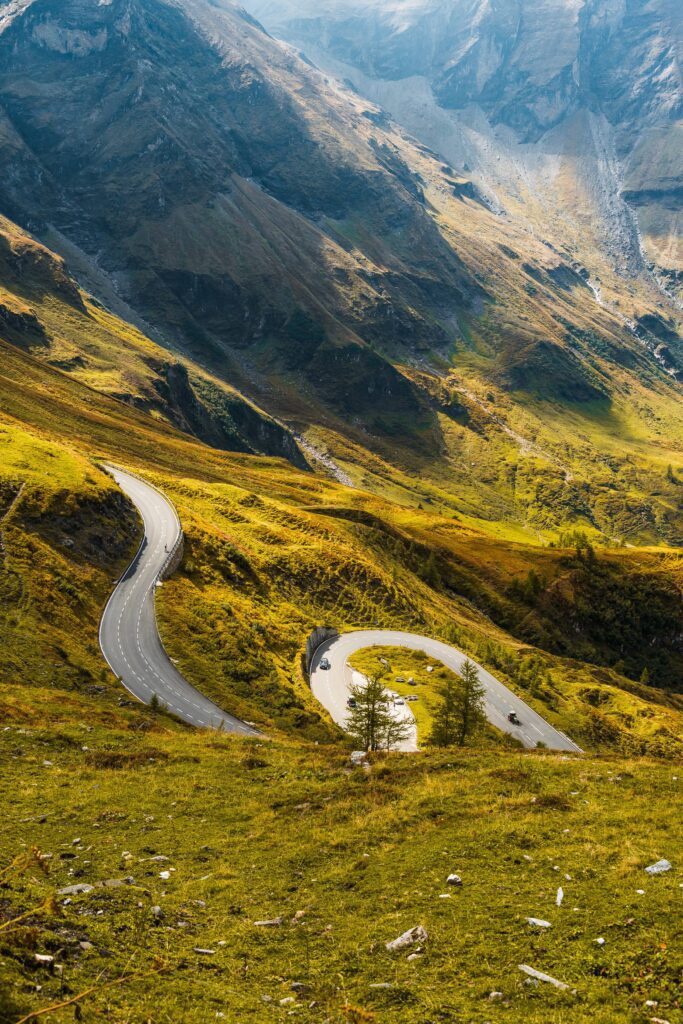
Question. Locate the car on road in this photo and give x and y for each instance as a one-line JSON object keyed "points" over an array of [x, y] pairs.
{"points": [[512, 717], [399, 701], [352, 702], [325, 664]]}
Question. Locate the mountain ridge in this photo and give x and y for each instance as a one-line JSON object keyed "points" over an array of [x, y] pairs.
{"points": [[276, 230]]}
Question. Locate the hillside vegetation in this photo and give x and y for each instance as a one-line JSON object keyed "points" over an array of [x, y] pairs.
{"points": [[188, 840], [271, 552]]}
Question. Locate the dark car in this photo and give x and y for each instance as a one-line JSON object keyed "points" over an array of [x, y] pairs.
{"points": [[352, 702], [512, 717], [325, 664]]}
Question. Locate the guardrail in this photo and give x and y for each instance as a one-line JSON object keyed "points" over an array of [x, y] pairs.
{"points": [[319, 635], [175, 557]]}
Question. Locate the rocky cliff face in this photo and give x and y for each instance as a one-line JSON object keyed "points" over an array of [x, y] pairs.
{"points": [[232, 197], [597, 81]]}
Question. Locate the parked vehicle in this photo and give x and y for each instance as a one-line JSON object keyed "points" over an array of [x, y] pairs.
{"points": [[352, 702], [399, 701]]}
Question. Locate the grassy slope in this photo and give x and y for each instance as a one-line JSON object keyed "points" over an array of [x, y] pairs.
{"points": [[263, 566], [510, 462], [348, 859]]}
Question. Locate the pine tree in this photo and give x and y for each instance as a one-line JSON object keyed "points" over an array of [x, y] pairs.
{"points": [[372, 722], [472, 710], [462, 709], [445, 727]]}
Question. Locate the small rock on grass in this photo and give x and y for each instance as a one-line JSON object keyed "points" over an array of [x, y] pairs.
{"points": [[275, 923], [454, 880], [204, 952], [537, 922], [659, 868], [540, 976], [409, 938], [75, 890]]}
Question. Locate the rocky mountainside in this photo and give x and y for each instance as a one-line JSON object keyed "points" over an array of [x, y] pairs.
{"points": [[589, 89], [225, 192], [43, 312], [432, 331]]}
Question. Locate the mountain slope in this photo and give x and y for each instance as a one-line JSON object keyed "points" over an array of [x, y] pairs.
{"points": [[43, 312], [593, 86], [278, 230]]}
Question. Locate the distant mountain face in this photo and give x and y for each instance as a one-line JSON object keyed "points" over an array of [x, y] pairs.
{"points": [[523, 81], [231, 198], [418, 300]]}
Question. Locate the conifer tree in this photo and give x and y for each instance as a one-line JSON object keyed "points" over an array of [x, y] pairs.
{"points": [[372, 721]]}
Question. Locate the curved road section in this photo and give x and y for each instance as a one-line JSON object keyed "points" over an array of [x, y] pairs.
{"points": [[129, 637], [331, 686]]}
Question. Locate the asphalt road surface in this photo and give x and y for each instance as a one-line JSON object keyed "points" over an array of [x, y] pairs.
{"points": [[331, 687], [129, 636]]}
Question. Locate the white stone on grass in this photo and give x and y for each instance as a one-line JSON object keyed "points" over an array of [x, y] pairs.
{"points": [[659, 868], [540, 976], [409, 938]]}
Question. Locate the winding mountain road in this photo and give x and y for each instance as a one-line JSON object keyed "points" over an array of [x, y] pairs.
{"points": [[129, 637], [331, 686], [130, 642]]}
